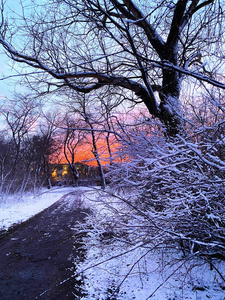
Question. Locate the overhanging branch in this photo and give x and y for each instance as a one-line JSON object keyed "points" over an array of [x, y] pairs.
{"points": [[168, 65]]}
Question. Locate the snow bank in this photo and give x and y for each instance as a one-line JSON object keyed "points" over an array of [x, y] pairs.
{"points": [[142, 273], [155, 276], [15, 209]]}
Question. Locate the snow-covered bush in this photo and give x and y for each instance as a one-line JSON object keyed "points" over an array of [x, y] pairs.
{"points": [[179, 191], [166, 199], [135, 250], [164, 210]]}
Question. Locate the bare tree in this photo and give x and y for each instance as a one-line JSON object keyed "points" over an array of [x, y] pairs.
{"points": [[143, 49], [48, 145], [74, 138], [88, 114], [6, 157], [20, 115], [19, 119], [109, 120]]}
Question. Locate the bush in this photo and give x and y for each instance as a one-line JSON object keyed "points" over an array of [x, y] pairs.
{"points": [[178, 191]]}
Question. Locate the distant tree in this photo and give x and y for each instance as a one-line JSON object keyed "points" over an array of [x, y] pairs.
{"points": [[6, 158], [89, 120], [38, 151], [144, 49], [74, 138], [45, 146], [20, 116]]}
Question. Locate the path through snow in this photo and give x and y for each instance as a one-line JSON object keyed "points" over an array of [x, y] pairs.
{"points": [[37, 256]]}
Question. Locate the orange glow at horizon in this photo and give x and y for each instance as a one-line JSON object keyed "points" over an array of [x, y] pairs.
{"points": [[85, 155]]}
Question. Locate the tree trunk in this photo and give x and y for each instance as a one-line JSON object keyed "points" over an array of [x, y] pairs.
{"points": [[170, 106]]}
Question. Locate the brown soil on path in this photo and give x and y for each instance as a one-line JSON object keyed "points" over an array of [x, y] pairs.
{"points": [[37, 256]]}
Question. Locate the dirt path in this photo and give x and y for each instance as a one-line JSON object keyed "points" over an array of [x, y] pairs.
{"points": [[36, 255]]}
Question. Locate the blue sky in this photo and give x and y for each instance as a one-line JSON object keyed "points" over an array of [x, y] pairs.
{"points": [[5, 70], [6, 85]]}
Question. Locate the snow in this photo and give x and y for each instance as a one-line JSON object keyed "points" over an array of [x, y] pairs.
{"points": [[151, 277], [19, 208], [140, 272]]}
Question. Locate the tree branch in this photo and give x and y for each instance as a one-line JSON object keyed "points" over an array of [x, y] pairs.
{"points": [[134, 13], [175, 28], [205, 3], [194, 7], [167, 64]]}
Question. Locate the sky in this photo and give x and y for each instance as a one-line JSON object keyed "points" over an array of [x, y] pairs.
{"points": [[5, 70], [5, 88], [6, 85]]}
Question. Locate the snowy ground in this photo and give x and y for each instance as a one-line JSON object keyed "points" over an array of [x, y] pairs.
{"points": [[149, 278], [141, 274], [18, 208], [138, 278]]}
